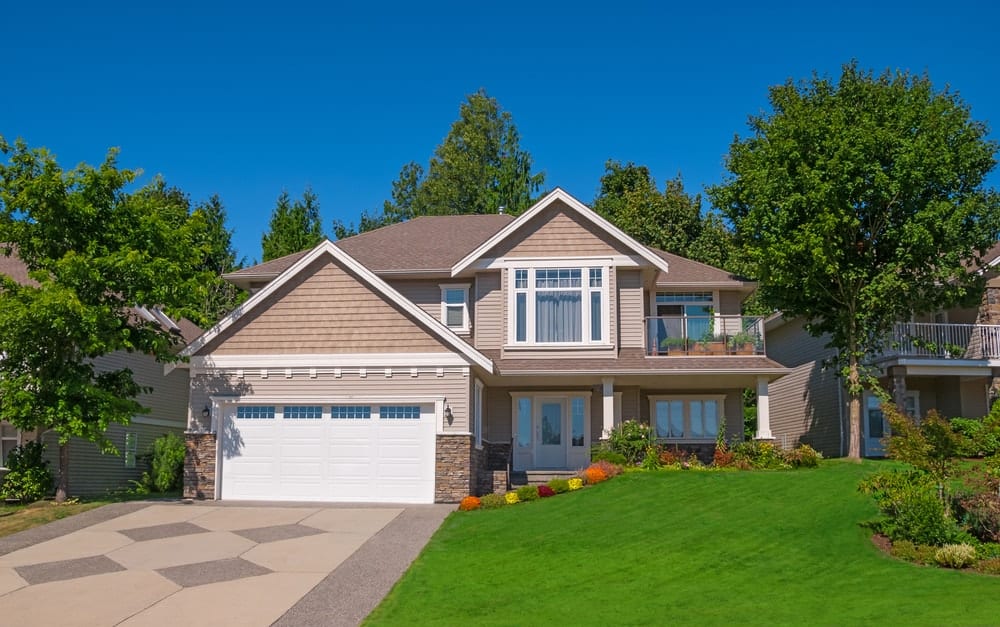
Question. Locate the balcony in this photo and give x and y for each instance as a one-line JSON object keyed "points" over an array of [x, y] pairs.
{"points": [[703, 336], [944, 341]]}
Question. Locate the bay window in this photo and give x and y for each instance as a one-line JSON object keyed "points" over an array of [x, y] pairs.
{"points": [[686, 417], [559, 305]]}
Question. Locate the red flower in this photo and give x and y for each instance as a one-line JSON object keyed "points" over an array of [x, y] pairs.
{"points": [[544, 491]]}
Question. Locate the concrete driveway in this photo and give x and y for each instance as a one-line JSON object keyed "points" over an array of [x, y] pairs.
{"points": [[211, 564]]}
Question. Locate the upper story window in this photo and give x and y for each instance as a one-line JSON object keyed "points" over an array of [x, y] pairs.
{"points": [[685, 314], [559, 305], [455, 307]]}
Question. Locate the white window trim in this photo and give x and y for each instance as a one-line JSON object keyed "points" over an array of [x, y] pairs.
{"points": [[477, 415], [687, 398], [466, 323], [583, 264]]}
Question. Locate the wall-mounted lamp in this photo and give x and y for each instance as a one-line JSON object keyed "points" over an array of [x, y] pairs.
{"points": [[450, 417], [206, 413]]}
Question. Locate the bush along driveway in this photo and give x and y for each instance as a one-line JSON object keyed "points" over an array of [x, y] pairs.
{"points": [[766, 547]]}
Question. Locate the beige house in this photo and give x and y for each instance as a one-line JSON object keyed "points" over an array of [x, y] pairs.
{"points": [[92, 472], [947, 360], [418, 362]]}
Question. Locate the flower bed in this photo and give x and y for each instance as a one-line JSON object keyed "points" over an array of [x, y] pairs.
{"points": [[595, 473]]}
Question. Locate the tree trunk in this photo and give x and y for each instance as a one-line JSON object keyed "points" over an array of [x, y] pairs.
{"points": [[62, 488], [854, 408]]}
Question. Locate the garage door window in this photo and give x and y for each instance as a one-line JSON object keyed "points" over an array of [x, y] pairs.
{"points": [[351, 412], [255, 412], [399, 412], [302, 412]]}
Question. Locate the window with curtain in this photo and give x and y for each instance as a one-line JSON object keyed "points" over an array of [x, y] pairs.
{"points": [[686, 418], [559, 305]]}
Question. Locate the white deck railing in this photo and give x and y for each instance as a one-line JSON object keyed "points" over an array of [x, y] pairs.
{"points": [[704, 335], [947, 341]]}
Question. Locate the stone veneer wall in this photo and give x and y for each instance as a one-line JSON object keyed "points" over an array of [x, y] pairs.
{"points": [[493, 467], [456, 466], [199, 466]]}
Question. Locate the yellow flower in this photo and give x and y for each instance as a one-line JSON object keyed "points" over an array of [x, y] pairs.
{"points": [[576, 483], [511, 498]]}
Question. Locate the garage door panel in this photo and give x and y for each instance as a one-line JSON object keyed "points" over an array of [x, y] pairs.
{"points": [[357, 460]]}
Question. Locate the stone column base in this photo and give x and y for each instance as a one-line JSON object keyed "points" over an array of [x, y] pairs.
{"points": [[199, 466]]}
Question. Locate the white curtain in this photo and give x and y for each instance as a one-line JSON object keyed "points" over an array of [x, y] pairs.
{"points": [[558, 317]]}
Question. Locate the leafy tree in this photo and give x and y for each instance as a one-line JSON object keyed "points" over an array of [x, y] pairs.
{"points": [[860, 202], [478, 168], [293, 227], [93, 251], [218, 257]]}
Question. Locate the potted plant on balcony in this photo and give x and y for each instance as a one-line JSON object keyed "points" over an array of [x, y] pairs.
{"points": [[743, 343], [670, 345], [709, 344]]}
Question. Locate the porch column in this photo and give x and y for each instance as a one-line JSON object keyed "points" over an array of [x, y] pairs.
{"points": [[608, 389], [763, 411], [899, 388]]}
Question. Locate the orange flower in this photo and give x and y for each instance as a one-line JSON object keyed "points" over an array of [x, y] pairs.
{"points": [[594, 475], [469, 503]]}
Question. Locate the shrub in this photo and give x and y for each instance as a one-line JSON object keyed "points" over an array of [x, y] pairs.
{"points": [[599, 454], [527, 493], [559, 485], [916, 553], [955, 555], [723, 457], [511, 498], [980, 514], [652, 459], [594, 475], [468, 504], [989, 566], [492, 501], [910, 506], [609, 469], [630, 439], [29, 478], [167, 462], [545, 491], [931, 446], [575, 483], [803, 456], [758, 454]]}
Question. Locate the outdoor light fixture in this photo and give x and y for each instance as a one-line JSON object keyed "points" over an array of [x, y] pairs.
{"points": [[206, 413], [450, 417]]}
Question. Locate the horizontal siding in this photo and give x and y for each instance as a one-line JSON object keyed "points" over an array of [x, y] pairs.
{"points": [[489, 306], [324, 310], [791, 346], [730, 303], [630, 308], [424, 294], [168, 399], [498, 418], [454, 386], [558, 232], [94, 473]]}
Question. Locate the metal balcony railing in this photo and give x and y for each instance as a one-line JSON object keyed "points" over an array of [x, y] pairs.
{"points": [[944, 341], [704, 335]]}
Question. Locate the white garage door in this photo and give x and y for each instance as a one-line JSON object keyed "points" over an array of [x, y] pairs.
{"points": [[375, 452]]}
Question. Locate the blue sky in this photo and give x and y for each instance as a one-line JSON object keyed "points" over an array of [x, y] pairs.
{"points": [[247, 99]]}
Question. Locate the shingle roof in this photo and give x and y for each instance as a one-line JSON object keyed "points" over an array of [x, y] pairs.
{"points": [[684, 270], [634, 361]]}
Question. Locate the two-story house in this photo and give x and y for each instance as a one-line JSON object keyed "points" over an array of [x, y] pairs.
{"points": [[946, 360], [411, 363]]}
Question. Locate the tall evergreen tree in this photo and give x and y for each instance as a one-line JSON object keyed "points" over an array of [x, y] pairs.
{"points": [[218, 257], [294, 226]]}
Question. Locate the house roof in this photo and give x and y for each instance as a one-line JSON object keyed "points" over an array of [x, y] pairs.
{"points": [[685, 272], [366, 276], [421, 245], [13, 267], [634, 361]]}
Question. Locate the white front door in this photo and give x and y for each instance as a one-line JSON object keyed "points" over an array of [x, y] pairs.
{"points": [[550, 433]]}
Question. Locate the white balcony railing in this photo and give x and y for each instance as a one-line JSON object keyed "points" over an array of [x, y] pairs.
{"points": [[704, 335], [944, 341]]}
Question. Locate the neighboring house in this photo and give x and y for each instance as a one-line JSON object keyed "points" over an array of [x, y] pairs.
{"points": [[947, 360], [92, 472], [410, 363]]}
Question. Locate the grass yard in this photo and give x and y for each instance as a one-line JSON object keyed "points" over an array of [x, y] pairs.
{"points": [[14, 518], [683, 547]]}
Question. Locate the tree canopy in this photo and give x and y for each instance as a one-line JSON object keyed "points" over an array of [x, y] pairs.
{"points": [[294, 226], [93, 251], [479, 167], [859, 202]]}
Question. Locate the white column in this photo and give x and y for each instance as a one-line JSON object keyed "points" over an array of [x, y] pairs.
{"points": [[608, 389], [763, 411]]}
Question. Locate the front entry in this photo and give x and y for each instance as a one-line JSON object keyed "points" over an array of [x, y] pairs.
{"points": [[550, 440], [876, 427], [551, 430]]}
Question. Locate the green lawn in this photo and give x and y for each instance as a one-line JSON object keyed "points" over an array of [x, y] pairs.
{"points": [[683, 548]]}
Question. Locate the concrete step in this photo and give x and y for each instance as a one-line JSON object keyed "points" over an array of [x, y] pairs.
{"points": [[538, 477]]}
